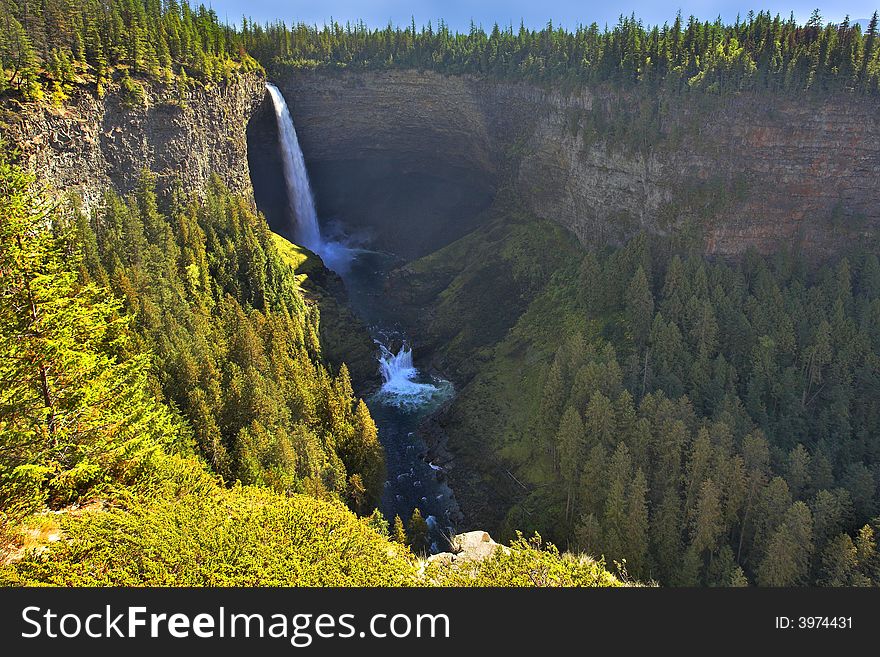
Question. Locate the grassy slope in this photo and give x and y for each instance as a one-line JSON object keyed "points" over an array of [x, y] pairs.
{"points": [[236, 537], [344, 338], [178, 527]]}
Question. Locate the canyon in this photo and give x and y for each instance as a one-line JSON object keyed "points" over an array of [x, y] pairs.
{"points": [[409, 162], [785, 171]]}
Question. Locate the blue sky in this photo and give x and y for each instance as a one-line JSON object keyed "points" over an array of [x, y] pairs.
{"points": [[535, 13]]}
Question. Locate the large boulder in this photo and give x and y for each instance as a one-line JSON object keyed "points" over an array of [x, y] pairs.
{"points": [[467, 548]]}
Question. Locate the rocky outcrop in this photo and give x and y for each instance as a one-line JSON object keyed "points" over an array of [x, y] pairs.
{"points": [[466, 549], [755, 170], [93, 143]]}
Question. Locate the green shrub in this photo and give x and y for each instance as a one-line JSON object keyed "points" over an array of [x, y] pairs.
{"points": [[132, 92], [245, 536], [526, 563]]}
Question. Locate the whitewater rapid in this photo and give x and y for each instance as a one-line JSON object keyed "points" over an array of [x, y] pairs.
{"points": [[403, 385]]}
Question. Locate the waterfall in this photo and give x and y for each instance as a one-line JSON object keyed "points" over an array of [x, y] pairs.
{"points": [[304, 217]]}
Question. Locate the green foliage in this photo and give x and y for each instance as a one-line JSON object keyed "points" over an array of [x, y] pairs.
{"points": [[526, 563], [639, 307], [398, 533], [239, 537], [570, 448], [763, 52], [417, 532], [206, 292], [76, 406], [131, 91], [18, 59], [84, 420]]}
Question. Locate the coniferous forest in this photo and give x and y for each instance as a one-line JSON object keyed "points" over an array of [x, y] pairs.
{"points": [[50, 45], [169, 414], [733, 401]]}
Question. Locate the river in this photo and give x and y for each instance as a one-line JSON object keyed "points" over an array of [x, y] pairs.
{"points": [[407, 396]]}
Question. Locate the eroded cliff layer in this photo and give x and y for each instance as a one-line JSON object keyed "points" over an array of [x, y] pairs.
{"points": [[92, 143], [414, 157]]}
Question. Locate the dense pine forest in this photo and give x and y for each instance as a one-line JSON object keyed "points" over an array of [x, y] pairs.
{"points": [[737, 402], [760, 51], [48, 46], [708, 423]]}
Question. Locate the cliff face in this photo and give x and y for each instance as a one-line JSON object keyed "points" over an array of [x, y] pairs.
{"points": [[412, 159], [407, 160], [756, 171], [387, 148], [95, 143]]}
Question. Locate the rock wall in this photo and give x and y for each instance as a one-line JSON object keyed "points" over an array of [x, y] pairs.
{"points": [[405, 160], [413, 158], [752, 170], [95, 143]]}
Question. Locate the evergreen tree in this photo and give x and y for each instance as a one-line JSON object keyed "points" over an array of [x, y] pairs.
{"points": [[867, 555], [798, 475], [839, 562], [591, 285], [787, 558], [708, 522], [398, 533], [639, 307], [75, 407], [637, 527], [616, 517], [551, 407], [570, 446], [417, 534], [377, 522]]}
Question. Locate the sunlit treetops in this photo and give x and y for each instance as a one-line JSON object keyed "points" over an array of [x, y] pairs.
{"points": [[58, 43], [761, 51]]}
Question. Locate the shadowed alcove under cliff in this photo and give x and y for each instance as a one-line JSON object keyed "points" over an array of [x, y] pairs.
{"points": [[409, 190]]}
